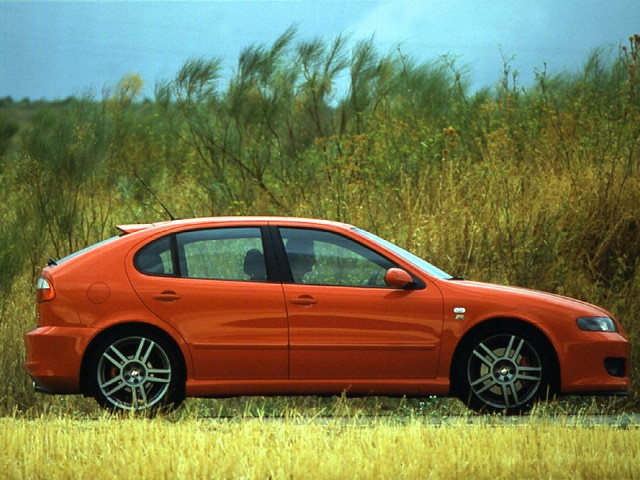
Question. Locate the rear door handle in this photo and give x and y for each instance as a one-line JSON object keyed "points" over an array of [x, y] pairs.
{"points": [[167, 296], [304, 300]]}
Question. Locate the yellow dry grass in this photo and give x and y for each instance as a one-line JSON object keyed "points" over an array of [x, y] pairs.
{"points": [[301, 447]]}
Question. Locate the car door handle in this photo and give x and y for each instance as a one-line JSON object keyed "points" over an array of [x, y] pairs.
{"points": [[304, 300], [167, 296]]}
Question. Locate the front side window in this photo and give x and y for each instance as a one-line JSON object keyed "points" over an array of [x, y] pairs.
{"points": [[222, 254], [324, 258]]}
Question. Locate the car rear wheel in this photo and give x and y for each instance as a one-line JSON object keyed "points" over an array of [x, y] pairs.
{"points": [[136, 372], [503, 371]]}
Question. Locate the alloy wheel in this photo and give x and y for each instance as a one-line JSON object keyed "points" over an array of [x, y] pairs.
{"points": [[504, 371], [134, 373]]}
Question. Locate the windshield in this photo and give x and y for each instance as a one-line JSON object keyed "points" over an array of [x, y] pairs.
{"points": [[408, 256]]}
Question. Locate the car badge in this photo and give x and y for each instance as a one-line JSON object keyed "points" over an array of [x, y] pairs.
{"points": [[459, 311]]}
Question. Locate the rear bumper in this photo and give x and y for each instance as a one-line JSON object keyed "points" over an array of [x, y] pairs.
{"points": [[54, 357], [40, 389]]}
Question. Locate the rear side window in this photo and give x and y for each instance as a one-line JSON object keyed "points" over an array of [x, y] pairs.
{"points": [[214, 254], [222, 254], [155, 258]]}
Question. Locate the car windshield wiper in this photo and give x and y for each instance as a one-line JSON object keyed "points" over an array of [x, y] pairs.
{"points": [[457, 277]]}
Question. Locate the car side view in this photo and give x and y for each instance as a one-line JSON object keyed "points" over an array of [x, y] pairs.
{"points": [[217, 307]]}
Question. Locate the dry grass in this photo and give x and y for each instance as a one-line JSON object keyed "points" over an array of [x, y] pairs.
{"points": [[302, 447]]}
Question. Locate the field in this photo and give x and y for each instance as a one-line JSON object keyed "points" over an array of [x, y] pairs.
{"points": [[303, 447]]}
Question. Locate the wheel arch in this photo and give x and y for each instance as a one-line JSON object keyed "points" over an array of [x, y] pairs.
{"points": [[122, 329], [495, 324]]}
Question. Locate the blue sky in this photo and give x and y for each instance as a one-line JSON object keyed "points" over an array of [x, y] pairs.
{"points": [[56, 49]]}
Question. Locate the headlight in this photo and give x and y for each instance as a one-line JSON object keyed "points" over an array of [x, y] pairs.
{"points": [[597, 324]]}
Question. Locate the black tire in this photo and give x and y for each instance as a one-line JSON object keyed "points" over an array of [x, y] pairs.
{"points": [[504, 370], [136, 370]]}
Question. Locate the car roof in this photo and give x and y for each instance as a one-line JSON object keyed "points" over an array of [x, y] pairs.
{"points": [[266, 220]]}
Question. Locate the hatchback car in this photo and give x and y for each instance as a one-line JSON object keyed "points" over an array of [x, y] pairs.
{"points": [[217, 307]]}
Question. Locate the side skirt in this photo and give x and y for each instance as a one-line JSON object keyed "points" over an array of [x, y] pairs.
{"points": [[234, 388]]}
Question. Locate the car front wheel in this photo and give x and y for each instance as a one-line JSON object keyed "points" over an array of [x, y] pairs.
{"points": [[503, 371], [136, 372]]}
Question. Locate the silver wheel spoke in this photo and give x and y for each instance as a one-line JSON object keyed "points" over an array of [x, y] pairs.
{"points": [[162, 372], [514, 392], [118, 363], [489, 352], [505, 395], [108, 383], [139, 351], [158, 380], [489, 385], [506, 352], [142, 396], [148, 352], [119, 354], [530, 378], [134, 397], [529, 369], [533, 374], [120, 384], [482, 379], [113, 360], [488, 361], [517, 352]]}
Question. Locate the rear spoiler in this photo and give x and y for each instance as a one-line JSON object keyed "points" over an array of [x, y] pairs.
{"points": [[135, 227]]}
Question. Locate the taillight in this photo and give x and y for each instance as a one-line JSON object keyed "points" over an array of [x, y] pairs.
{"points": [[44, 290]]}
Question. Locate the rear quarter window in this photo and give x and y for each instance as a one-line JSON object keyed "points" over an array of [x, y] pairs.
{"points": [[155, 258]]}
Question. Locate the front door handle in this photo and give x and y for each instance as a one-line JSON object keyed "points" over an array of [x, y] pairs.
{"points": [[304, 300], [167, 296]]}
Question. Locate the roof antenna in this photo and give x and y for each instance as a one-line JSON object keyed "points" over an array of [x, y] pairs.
{"points": [[154, 196]]}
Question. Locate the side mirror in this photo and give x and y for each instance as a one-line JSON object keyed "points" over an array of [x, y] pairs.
{"points": [[398, 278]]}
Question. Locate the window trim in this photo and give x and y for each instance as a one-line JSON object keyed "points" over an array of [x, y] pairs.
{"points": [[175, 256]]}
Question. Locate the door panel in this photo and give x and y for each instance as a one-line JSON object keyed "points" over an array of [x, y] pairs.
{"points": [[345, 323], [233, 320], [234, 329], [363, 332]]}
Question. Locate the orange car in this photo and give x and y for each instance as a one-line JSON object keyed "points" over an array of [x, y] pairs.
{"points": [[216, 307]]}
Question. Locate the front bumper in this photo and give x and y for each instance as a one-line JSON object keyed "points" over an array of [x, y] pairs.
{"points": [[54, 357], [584, 370]]}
